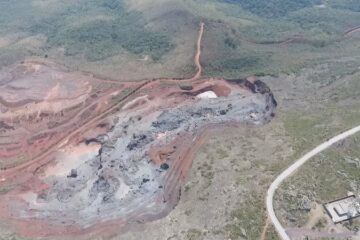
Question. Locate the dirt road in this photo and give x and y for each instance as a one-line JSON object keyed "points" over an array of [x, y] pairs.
{"points": [[349, 32], [290, 170], [198, 52], [82, 128], [265, 228]]}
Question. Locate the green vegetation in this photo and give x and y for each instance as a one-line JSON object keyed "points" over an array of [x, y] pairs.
{"points": [[186, 86], [301, 35], [273, 8], [236, 64], [328, 176], [104, 37], [95, 29], [309, 129], [248, 218], [320, 224], [4, 190], [242, 37], [324, 22], [120, 96], [352, 5], [194, 234]]}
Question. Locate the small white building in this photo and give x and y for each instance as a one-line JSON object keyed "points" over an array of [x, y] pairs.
{"points": [[343, 209]]}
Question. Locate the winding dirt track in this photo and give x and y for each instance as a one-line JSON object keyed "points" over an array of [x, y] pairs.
{"points": [[292, 169], [265, 228], [198, 52], [351, 31]]}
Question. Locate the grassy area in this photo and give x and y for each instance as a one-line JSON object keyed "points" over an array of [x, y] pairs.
{"points": [[273, 8], [4, 190], [328, 176], [241, 36], [248, 216], [93, 28], [251, 43], [102, 37], [352, 5]]}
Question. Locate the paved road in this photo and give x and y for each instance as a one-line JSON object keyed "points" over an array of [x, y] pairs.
{"points": [[270, 194]]}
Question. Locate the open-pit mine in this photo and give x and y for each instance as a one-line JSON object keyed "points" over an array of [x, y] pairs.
{"points": [[83, 156]]}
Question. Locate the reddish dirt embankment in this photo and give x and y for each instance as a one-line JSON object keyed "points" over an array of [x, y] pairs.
{"points": [[41, 101], [59, 109]]}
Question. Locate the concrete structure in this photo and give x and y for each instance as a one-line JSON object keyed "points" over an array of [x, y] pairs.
{"points": [[290, 170], [343, 209]]}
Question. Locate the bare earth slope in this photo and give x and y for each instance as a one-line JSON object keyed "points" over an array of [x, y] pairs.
{"points": [[100, 156]]}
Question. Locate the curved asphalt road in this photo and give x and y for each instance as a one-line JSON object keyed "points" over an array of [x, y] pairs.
{"points": [[270, 194]]}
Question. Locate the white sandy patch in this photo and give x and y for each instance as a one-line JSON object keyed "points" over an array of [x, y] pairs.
{"points": [[31, 199], [84, 193], [161, 135], [4, 42], [208, 94], [72, 157], [115, 93], [53, 92], [122, 191], [134, 101]]}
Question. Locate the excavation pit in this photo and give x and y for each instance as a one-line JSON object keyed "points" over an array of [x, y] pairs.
{"points": [[116, 177]]}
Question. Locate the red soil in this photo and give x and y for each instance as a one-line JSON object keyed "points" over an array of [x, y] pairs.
{"points": [[178, 153], [41, 134]]}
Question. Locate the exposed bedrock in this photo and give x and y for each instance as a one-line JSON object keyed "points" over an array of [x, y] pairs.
{"points": [[137, 168]]}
